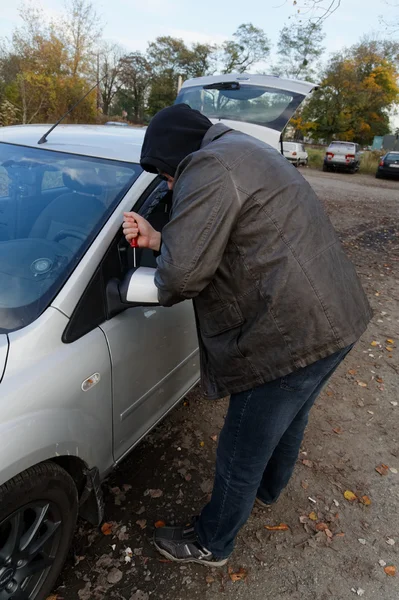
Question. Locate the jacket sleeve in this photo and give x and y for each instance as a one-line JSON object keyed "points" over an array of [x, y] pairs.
{"points": [[205, 209]]}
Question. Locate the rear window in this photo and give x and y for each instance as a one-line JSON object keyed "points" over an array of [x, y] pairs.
{"points": [[288, 146], [392, 156], [343, 146], [260, 105]]}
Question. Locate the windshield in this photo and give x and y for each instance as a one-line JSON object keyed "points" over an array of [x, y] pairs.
{"points": [[260, 105], [52, 206]]}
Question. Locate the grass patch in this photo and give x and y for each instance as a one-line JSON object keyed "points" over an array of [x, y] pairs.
{"points": [[368, 161]]}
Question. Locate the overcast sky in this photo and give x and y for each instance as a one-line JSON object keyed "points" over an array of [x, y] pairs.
{"points": [[133, 23]]}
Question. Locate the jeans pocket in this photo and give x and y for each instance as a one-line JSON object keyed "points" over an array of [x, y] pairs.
{"points": [[294, 381]]}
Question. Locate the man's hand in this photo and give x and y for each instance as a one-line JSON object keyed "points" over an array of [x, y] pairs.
{"points": [[135, 226]]}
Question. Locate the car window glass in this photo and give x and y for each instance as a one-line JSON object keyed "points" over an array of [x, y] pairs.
{"points": [[288, 146], [56, 204], [392, 156]]}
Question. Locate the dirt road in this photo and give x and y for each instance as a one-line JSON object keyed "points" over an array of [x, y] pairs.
{"points": [[338, 552]]}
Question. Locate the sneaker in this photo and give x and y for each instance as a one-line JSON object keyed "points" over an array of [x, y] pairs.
{"points": [[261, 504], [180, 544]]}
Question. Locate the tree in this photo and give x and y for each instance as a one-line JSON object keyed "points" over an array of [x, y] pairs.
{"points": [[299, 47], [81, 28], [109, 72], [135, 77], [315, 11], [357, 92], [248, 46]]}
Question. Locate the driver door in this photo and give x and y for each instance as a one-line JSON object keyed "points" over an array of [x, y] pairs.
{"points": [[154, 351]]}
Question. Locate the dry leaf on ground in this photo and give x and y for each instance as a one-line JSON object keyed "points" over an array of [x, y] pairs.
{"points": [[313, 516], [391, 571], [382, 469], [352, 372], [214, 438], [307, 463], [240, 575], [281, 527], [337, 430], [142, 523], [350, 496], [305, 485], [53, 597], [155, 493], [106, 528], [209, 579], [374, 344], [159, 524], [365, 500], [390, 341], [321, 526], [362, 384]]}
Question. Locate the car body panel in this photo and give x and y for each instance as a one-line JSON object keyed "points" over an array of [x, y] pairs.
{"points": [[269, 135], [3, 354], [44, 411], [117, 143]]}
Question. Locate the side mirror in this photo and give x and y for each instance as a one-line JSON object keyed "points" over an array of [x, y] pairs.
{"points": [[137, 289]]}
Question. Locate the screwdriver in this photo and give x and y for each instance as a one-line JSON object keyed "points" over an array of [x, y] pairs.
{"points": [[134, 244]]}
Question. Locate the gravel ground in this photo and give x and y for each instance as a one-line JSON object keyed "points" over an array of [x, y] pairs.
{"points": [[338, 552]]}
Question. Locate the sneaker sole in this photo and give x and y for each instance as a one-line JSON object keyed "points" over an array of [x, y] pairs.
{"points": [[261, 504], [208, 563]]}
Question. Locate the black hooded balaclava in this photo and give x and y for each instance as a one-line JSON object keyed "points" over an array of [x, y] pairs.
{"points": [[174, 133]]}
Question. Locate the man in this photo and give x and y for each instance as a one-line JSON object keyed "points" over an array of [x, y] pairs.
{"points": [[278, 306]]}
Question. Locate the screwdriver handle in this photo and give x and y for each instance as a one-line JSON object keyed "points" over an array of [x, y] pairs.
{"points": [[134, 243]]}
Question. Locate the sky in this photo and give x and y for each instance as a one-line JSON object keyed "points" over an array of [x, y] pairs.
{"points": [[134, 23]]}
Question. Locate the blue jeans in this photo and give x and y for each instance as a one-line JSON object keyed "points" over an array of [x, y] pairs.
{"points": [[258, 449]]}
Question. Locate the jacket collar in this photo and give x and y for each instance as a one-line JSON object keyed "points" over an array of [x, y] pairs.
{"points": [[214, 132]]}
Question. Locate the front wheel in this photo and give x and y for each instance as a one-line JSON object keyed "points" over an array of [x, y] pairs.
{"points": [[37, 519]]}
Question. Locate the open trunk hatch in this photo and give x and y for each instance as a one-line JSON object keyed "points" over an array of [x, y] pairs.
{"points": [[260, 105]]}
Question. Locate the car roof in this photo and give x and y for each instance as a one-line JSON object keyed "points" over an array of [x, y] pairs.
{"points": [[116, 143]]}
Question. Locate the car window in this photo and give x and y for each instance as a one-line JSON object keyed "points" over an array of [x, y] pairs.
{"points": [[249, 103], [392, 156], [343, 146], [53, 205], [303, 148], [288, 146]]}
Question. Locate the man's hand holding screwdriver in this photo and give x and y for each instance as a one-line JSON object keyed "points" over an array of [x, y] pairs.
{"points": [[137, 228]]}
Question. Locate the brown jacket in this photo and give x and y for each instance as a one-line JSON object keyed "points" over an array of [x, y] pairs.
{"points": [[251, 244]]}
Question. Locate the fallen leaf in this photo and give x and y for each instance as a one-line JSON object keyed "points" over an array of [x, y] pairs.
{"points": [[209, 579], [389, 341], [305, 485], [321, 526], [214, 438], [391, 571], [313, 516], [340, 535], [389, 348], [159, 524], [382, 469], [329, 393], [352, 372], [202, 444], [374, 344], [114, 576], [365, 500], [155, 493], [337, 430], [362, 384], [307, 463], [379, 379], [281, 527], [240, 575], [106, 528], [350, 496], [328, 533], [142, 523]]}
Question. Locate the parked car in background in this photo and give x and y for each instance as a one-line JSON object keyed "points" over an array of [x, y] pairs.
{"points": [[296, 153], [343, 156], [388, 166], [88, 365]]}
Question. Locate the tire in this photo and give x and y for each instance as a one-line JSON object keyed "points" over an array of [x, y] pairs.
{"points": [[40, 506]]}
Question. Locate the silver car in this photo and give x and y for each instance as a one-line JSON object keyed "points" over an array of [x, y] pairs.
{"points": [[89, 362]]}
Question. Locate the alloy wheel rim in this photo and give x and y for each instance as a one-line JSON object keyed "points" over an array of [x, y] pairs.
{"points": [[29, 540]]}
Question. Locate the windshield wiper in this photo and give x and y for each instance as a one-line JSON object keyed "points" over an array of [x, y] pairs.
{"points": [[223, 85]]}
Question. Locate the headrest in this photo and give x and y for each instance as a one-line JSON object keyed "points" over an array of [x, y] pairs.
{"points": [[82, 178]]}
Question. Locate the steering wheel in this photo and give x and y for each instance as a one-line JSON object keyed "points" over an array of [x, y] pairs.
{"points": [[64, 233]]}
